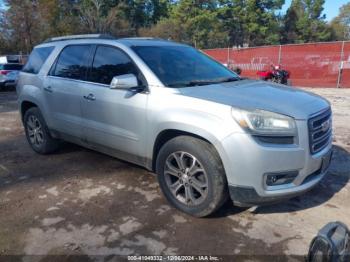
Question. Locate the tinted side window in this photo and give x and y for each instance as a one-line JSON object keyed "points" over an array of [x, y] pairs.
{"points": [[36, 59], [108, 63], [72, 62], [13, 67]]}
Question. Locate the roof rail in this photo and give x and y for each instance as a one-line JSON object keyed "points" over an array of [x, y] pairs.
{"points": [[75, 37], [143, 38]]}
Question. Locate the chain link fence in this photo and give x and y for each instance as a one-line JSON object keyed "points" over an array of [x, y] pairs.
{"points": [[310, 65]]}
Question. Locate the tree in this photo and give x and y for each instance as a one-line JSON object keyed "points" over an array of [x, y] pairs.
{"points": [[21, 23], [341, 23], [289, 33], [145, 13], [261, 23], [251, 22], [202, 23], [304, 23], [191, 21], [57, 17], [167, 28], [26, 23], [97, 18], [232, 16]]}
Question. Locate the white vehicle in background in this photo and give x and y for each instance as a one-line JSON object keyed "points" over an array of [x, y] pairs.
{"points": [[9, 74], [13, 59], [10, 66], [12, 78]]}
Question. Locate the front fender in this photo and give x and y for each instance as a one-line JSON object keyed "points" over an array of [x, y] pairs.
{"points": [[213, 128]]}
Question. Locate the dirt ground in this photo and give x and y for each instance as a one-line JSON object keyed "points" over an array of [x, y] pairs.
{"points": [[79, 202]]}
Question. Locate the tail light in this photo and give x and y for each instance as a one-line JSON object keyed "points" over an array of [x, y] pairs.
{"points": [[4, 72]]}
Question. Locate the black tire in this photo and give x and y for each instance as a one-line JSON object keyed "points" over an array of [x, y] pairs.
{"points": [[47, 144], [214, 173]]}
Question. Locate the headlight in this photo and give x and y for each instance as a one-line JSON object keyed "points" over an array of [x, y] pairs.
{"points": [[264, 122]]}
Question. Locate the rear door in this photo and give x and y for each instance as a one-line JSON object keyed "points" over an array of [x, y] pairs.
{"points": [[114, 118], [64, 86]]}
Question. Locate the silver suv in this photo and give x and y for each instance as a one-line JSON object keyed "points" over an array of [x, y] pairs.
{"points": [[206, 132]]}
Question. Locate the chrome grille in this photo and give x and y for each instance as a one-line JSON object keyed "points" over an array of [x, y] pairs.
{"points": [[320, 131]]}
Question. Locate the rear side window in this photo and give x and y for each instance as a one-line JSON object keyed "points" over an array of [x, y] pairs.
{"points": [[12, 67], [36, 59], [73, 62], [108, 63]]}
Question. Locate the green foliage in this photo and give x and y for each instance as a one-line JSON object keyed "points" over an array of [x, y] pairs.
{"points": [[202, 23], [97, 16], [258, 21], [304, 22], [211, 23], [341, 23]]}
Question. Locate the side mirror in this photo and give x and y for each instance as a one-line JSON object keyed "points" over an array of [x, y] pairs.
{"points": [[124, 82]]}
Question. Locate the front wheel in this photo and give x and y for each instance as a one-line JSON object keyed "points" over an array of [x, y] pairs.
{"points": [[191, 176]]}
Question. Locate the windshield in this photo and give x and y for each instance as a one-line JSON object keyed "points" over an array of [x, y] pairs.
{"points": [[180, 66]]}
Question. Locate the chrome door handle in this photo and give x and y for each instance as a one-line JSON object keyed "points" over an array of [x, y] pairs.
{"points": [[48, 89], [90, 97]]}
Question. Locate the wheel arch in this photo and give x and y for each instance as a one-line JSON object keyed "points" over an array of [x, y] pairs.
{"points": [[25, 105], [168, 134]]}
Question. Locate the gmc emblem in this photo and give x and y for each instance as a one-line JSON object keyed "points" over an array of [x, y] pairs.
{"points": [[325, 125]]}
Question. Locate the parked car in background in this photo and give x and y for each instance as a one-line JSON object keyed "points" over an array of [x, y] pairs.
{"points": [[13, 59], [11, 78], [206, 132], [9, 74]]}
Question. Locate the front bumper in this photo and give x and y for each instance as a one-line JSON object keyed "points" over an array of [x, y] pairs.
{"points": [[247, 196], [247, 162]]}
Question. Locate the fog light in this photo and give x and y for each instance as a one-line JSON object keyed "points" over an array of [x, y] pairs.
{"points": [[275, 179]]}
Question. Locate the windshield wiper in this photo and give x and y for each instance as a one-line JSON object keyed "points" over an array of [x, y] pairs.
{"points": [[213, 81], [231, 79], [203, 82]]}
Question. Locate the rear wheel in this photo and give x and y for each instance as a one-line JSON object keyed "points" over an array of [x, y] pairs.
{"points": [[37, 132], [191, 176]]}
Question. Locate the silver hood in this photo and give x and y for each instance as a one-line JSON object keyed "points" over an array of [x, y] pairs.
{"points": [[252, 94]]}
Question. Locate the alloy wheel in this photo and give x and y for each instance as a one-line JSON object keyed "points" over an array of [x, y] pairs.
{"points": [[186, 178], [35, 131]]}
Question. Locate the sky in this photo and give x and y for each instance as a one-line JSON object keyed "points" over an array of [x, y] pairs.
{"points": [[331, 7]]}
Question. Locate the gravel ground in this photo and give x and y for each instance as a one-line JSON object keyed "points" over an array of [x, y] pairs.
{"points": [[79, 202]]}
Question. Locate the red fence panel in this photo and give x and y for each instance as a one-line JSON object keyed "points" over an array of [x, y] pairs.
{"points": [[315, 65], [219, 54], [310, 65], [254, 59]]}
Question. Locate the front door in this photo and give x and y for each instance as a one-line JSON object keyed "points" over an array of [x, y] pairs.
{"points": [[113, 118]]}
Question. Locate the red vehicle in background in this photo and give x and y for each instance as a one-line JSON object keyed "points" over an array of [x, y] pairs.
{"points": [[276, 74]]}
